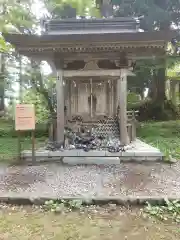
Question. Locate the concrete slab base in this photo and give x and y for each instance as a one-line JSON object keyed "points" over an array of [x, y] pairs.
{"points": [[91, 160], [137, 151]]}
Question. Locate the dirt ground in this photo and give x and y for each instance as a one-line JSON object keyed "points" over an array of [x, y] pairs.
{"points": [[101, 223]]}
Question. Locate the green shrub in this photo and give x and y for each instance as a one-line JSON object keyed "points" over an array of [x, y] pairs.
{"points": [[60, 206], [170, 210], [149, 110], [7, 130], [133, 97]]}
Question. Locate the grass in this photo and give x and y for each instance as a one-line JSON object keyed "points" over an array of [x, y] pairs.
{"points": [[163, 135], [9, 147], [94, 224]]}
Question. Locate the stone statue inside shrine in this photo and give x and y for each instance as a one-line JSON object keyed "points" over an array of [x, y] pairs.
{"points": [[92, 102], [106, 8]]}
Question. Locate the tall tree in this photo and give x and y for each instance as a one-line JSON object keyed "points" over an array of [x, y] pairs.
{"points": [[17, 17], [3, 13], [61, 8], [158, 15]]}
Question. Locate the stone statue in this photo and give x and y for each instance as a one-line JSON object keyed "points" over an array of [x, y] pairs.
{"points": [[94, 102], [106, 8]]}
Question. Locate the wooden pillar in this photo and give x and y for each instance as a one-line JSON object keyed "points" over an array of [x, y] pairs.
{"points": [[60, 106], [69, 98], [168, 89], [108, 98], [112, 97], [177, 92], [122, 88], [174, 88]]}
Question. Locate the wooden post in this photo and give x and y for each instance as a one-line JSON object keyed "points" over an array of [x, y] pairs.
{"points": [[123, 107], [60, 106], [33, 147], [91, 99], [177, 92], [172, 91], [174, 87], [118, 93], [19, 145]]}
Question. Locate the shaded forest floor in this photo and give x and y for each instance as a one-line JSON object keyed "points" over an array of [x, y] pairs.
{"points": [[93, 223]]}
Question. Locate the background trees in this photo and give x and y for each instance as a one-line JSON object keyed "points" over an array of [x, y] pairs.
{"points": [[158, 15]]}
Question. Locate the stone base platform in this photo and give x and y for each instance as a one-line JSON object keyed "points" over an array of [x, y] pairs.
{"points": [[137, 151]]}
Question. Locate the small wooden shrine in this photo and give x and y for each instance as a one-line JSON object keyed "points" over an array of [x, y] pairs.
{"points": [[92, 59]]}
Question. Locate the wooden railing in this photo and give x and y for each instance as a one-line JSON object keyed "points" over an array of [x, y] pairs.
{"points": [[131, 124]]}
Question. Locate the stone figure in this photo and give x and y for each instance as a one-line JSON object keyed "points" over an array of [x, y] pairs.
{"points": [[94, 103]]}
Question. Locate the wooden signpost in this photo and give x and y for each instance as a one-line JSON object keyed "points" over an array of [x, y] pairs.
{"points": [[25, 121]]}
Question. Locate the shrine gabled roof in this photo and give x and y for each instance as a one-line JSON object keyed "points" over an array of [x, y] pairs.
{"points": [[102, 42], [25, 40]]}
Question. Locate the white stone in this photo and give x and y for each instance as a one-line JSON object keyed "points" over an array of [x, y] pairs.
{"points": [[92, 160]]}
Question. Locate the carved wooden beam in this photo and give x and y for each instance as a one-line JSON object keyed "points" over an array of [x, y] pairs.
{"points": [[95, 73]]}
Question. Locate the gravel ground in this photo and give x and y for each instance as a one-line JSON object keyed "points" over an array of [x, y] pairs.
{"points": [[55, 180]]}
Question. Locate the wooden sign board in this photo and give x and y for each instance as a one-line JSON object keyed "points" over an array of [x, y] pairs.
{"points": [[24, 117]]}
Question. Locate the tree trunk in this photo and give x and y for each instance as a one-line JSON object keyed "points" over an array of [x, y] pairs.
{"points": [[2, 70], [161, 73], [153, 88], [158, 86], [161, 85]]}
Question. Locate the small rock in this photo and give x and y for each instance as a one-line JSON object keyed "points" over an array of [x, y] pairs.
{"points": [[71, 147], [172, 160], [112, 207]]}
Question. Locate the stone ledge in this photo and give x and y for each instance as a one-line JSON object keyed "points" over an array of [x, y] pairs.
{"points": [[129, 200], [152, 153], [94, 160], [141, 159], [81, 153]]}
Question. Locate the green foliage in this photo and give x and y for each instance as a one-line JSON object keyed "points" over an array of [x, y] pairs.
{"points": [[17, 16], [157, 14], [133, 97], [41, 107], [170, 211], [60, 206], [9, 147], [144, 75], [150, 110], [162, 135], [83, 8], [7, 130], [3, 45], [174, 71]]}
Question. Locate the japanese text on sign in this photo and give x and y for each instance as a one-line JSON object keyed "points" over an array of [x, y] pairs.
{"points": [[24, 117]]}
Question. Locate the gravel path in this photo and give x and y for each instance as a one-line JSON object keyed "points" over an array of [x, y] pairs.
{"points": [[57, 180]]}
